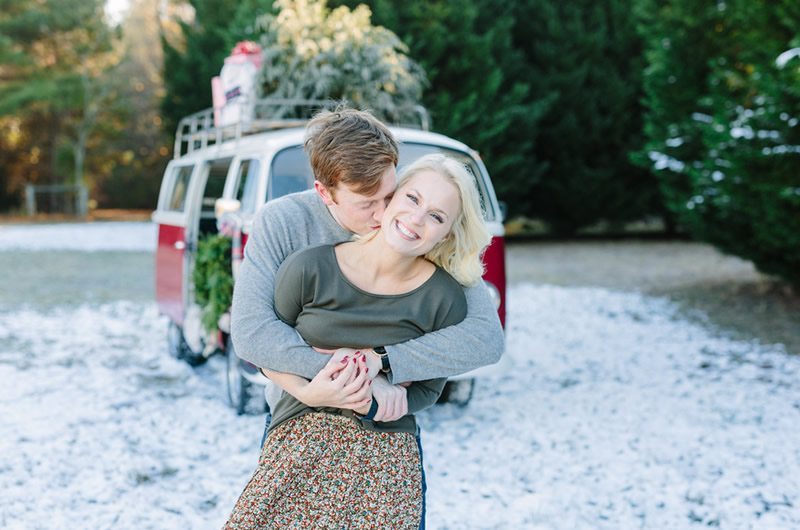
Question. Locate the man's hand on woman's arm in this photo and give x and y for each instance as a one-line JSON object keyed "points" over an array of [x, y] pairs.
{"points": [[391, 399]]}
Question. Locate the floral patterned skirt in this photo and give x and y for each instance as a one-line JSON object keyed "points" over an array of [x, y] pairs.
{"points": [[325, 471]]}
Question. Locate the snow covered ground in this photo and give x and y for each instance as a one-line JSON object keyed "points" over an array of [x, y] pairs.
{"points": [[90, 237], [619, 414]]}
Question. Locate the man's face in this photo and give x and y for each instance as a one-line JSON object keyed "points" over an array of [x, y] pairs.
{"points": [[360, 214]]}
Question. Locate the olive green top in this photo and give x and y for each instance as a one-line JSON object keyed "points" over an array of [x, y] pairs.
{"points": [[313, 295]]}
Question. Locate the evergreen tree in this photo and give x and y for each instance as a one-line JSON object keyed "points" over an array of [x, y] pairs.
{"points": [[189, 64], [678, 52], [57, 82], [586, 56], [465, 48], [136, 160], [246, 24], [728, 157], [312, 52]]}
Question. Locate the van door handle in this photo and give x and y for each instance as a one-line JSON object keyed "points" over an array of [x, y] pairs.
{"points": [[180, 245]]}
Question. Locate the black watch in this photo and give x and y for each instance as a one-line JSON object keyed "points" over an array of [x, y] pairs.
{"points": [[381, 352]]}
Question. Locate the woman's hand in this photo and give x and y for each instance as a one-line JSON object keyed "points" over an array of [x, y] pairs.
{"points": [[343, 383], [372, 359]]}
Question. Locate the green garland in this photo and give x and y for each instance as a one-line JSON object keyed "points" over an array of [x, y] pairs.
{"points": [[213, 278]]}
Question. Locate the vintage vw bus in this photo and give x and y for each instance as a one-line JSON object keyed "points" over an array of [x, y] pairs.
{"points": [[231, 171]]}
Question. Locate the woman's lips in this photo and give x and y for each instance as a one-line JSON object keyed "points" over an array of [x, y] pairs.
{"points": [[405, 231]]}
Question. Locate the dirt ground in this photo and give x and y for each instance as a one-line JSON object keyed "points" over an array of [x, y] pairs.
{"points": [[723, 291], [94, 215]]}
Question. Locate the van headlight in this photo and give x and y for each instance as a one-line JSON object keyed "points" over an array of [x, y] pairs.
{"points": [[494, 294]]}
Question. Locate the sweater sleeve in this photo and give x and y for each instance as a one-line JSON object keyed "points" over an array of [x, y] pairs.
{"points": [[476, 341], [258, 335], [423, 394]]}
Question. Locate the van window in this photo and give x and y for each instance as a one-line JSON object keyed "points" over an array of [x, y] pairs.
{"points": [[180, 185], [215, 183], [291, 172], [246, 184]]}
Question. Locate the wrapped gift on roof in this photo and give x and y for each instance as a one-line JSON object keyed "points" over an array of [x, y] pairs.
{"points": [[234, 91]]}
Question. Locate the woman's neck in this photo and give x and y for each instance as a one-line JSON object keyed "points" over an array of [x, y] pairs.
{"points": [[377, 268]]}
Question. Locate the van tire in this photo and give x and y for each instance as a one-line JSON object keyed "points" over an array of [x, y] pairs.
{"points": [[243, 395], [458, 392], [179, 349]]}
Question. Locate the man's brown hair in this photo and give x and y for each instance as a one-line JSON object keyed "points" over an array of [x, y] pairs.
{"points": [[349, 146]]}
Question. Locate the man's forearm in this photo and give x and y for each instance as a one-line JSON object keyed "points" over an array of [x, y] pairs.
{"points": [[477, 341], [259, 337]]}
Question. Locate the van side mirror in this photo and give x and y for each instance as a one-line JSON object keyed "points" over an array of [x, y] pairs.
{"points": [[223, 206]]}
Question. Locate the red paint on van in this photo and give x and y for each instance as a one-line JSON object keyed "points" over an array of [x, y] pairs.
{"points": [[169, 272], [495, 260]]}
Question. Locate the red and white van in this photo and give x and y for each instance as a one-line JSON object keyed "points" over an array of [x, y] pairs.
{"points": [[238, 169]]}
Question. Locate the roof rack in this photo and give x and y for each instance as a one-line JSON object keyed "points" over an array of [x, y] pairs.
{"points": [[206, 128]]}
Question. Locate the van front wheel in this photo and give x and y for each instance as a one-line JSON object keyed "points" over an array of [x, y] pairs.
{"points": [[458, 392], [178, 348], [238, 387]]}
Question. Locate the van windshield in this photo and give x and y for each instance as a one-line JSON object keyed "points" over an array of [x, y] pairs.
{"points": [[291, 171], [410, 152]]}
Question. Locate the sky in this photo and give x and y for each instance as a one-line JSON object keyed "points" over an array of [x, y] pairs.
{"points": [[116, 10]]}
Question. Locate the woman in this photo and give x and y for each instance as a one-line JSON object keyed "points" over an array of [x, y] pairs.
{"points": [[322, 467]]}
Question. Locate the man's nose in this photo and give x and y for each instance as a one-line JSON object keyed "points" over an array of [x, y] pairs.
{"points": [[377, 213]]}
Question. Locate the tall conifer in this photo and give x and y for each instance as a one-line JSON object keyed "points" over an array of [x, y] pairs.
{"points": [[722, 124], [190, 63], [586, 56]]}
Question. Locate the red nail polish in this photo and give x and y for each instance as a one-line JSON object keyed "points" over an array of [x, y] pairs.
{"points": [[344, 361], [359, 351], [354, 359]]}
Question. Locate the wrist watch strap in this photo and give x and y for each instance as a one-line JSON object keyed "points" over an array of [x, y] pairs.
{"points": [[373, 409], [381, 351]]}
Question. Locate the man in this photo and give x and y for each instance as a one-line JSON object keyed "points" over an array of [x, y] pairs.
{"points": [[353, 156]]}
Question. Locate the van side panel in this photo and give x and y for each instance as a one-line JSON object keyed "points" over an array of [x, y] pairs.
{"points": [[495, 261], [169, 271]]}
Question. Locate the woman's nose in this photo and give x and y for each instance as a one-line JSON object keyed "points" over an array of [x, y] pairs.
{"points": [[418, 216]]}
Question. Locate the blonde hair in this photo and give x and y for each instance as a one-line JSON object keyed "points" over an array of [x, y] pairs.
{"points": [[460, 252], [350, 146]]}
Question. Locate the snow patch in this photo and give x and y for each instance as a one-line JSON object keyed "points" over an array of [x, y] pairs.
{"points": [[787, 56], [618, 414], [89, 237]]}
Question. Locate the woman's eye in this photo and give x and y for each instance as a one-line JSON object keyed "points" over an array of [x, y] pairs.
{"points": [[412, 198], [439, 219]]}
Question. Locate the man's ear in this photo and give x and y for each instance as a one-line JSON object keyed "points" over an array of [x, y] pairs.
{"points": [[324, 193]]}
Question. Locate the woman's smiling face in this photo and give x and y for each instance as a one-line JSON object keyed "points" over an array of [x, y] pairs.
{"points": [[421, 213]]}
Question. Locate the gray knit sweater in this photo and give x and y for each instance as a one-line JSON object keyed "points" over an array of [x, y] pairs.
{"points": [[297, 221]]}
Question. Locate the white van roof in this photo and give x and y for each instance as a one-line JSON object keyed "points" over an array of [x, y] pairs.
{"points": [[277, 139]]}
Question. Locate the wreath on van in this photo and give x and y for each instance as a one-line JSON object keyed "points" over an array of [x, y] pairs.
{"points": [[213, 278]]}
